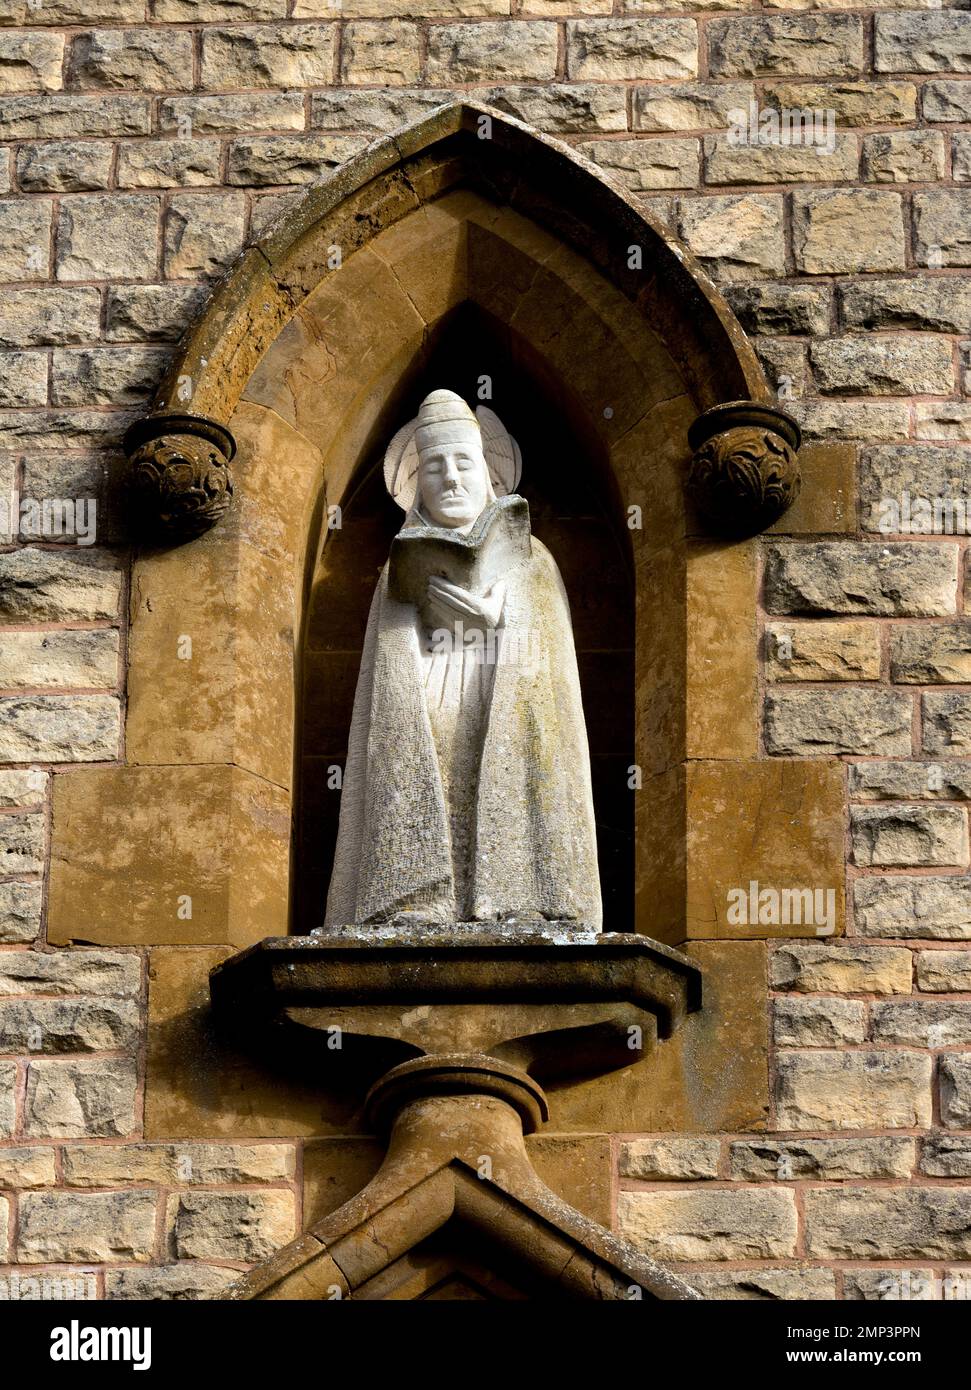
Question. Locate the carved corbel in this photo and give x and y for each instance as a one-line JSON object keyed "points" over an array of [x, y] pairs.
{"points": [[180, 479], [744, 473]]}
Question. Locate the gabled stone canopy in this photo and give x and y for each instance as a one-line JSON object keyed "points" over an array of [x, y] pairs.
{"points": [[458, 1195]]}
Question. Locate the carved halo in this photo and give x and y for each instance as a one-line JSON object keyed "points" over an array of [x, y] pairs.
{"points": [[502, 456]]}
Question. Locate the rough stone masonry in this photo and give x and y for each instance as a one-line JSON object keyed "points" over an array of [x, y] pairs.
{"points": [[142, 141]]}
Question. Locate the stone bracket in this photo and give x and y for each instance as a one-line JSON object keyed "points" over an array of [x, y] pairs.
{"points": [[560, 1005], [181, 481], [744, 472]]}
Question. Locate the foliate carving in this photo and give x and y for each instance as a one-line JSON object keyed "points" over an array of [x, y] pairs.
{"points": [[181, 481], [745, 470]]}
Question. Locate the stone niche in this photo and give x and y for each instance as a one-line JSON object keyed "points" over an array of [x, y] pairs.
{"points": [[440, 257]]}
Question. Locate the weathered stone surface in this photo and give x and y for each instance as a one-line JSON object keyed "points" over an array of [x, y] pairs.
{"points": [[947, 723], [8, 1110], [881, 1285], [945, 420], [904, 156], [109, 236], [21, 1169], [107, 973], [937, 655], [890, 365], [643, 165], [946, 1156], [611, 50], [894, 477], [802, 723], [844, 968], [150, 59], [832, 578], [64, 166], [177, 1165], [675, 1159], [22, 844], [946, 101], [801, 1022], [59, 728], [846, 230], [735, 237], [513, 48], [766, 1284], [889, 1223], [783, 1160], [183, 1281], [922, 1022], [276, 159], [23, 379], [230, 113], [822, 651], [74, 1099], [22, 787], [579, 108], [168, 164], [31, 62], [919, 301], [956, 1090], [232, 1226], [943, 972], [55, 1026], [784, 362], [810, 46], [728, 161], [923, 41], [203, 233], [31, 318], [105, 376], [844, 420], [781, 307], [291, 55], [205, 11], [383, 52], [150, 313], [853, 1090], [31, 659], [31, 117], [25, 234], [710, 1224], [942, 227], [915, 781], [921, 908], [20, 905], [63, 429], [908, 836], [854, 103], [690, 106], [72, 12], [67, 1227]]}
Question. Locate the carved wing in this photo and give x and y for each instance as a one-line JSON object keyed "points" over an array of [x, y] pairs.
{"points": [[501, 451]]}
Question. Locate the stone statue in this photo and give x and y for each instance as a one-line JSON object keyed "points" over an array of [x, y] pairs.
{"points": [[466, 795]]}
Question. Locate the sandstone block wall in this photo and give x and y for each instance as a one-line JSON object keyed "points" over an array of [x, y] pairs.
{"points": [[140, 142]]}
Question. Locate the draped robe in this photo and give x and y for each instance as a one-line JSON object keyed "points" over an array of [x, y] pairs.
{"points": [[476, 808]]}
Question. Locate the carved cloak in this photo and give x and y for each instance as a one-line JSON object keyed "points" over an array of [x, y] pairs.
{"points": [[534, 841]]}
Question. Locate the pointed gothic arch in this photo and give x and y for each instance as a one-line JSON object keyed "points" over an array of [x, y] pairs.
{"points": [[302, 360]]}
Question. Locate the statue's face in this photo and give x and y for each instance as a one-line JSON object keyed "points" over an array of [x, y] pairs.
{"points": [[453, 478]]}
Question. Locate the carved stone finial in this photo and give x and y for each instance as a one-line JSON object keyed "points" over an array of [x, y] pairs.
{"points": [[180, 477], [745, 471]]}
